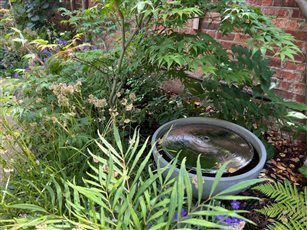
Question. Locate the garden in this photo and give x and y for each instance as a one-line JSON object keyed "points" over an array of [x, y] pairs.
{"points": [[84, 102]]}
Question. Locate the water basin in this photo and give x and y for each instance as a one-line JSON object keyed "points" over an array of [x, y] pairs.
{"points": [[214, 144]]}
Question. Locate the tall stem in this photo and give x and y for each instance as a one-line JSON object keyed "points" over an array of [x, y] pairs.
{"points": [[120, 62]]}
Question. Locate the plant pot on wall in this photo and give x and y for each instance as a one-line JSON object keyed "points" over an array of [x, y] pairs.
{"points": [[245, 165]]}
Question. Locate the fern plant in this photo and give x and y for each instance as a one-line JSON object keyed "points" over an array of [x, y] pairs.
{"points": [[290, 209], [124, 190]]}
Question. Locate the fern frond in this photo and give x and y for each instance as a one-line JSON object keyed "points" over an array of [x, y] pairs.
{"points": [[280, 210], [283, 193], [290, 225], [290, 212]]}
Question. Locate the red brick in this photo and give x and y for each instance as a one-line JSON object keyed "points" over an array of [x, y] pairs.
{"points": [[299, 88], [240, 37], [291, 24], [254, 2], [276, 12], [300, 57], [300, 44], [226, 44], [286, 75], [267, 2], [300, 98], [229, 37], [283, 85], [209, 25], [212, 33], [287, 3], [296, 13], [274, 62], [284, 94], [299, 35], [290, 65]]}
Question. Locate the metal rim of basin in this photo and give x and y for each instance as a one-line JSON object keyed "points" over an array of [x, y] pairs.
{"points": [[249, 136]]}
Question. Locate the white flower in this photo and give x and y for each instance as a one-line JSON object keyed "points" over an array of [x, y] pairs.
{"points": [[8, 170], [129, 107], [126, 121]]}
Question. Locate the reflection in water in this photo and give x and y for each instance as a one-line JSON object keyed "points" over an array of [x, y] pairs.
{"points": [[216, 145]]}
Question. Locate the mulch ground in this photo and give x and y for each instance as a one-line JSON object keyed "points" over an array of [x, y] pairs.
{"points": [[289, 157]]}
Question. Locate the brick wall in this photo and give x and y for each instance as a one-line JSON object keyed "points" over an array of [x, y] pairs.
{"points": [[290, 75]]}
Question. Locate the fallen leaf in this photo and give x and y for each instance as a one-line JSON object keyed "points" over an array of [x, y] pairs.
{"points": [[273, 176], [293, 179], [281, 167], [232, 170], [296, 159], [262, 175]]}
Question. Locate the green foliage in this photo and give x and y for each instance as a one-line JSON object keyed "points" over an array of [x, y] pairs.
{"points": [[303, 170], [89, 22], [34, 13], [122, 190], [261, 38], [290, 209], [70, 90], [242, 92]]}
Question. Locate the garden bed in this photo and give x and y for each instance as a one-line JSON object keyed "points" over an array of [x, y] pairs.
{"points": [[79, 97], [289, 157]]}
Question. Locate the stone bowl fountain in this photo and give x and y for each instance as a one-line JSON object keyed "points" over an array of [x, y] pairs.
{"points": [[216, 141]]}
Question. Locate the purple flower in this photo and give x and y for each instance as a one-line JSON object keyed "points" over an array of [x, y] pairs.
{"points": [[228, 220], [183, 214], [27, 68], [219, 217], [236, 220], [62, 41], [85, 47], [45, 51], [235, 204], [94, 47], [16, 75]]}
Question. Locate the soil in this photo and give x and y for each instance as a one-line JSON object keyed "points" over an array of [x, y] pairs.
{"points": [[289, 157]]}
